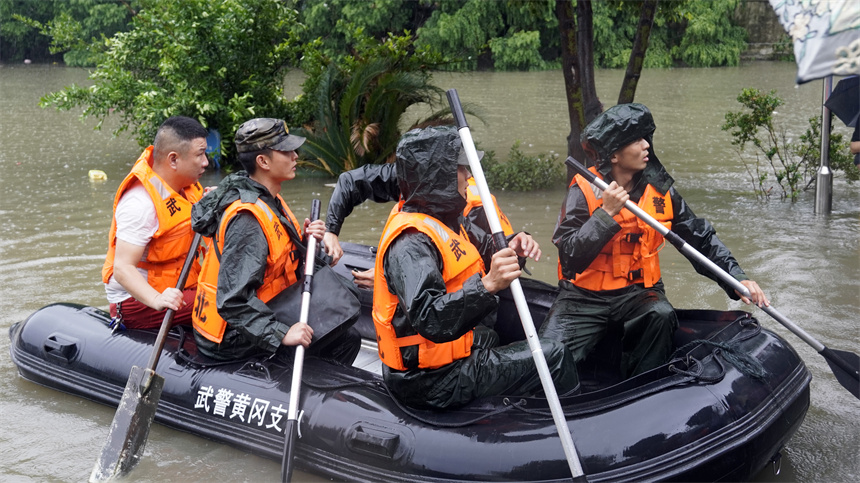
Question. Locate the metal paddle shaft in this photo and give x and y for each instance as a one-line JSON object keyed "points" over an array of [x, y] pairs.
{"points": [[517, 290], [845, 365], [291, 428], [136, 410]]}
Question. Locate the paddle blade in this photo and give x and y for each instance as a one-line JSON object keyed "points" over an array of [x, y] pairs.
{"points": [[130, 427], [846, 368], [291, 430]]}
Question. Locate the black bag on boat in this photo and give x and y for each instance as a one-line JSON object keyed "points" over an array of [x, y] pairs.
{"points": [[334, 306]]}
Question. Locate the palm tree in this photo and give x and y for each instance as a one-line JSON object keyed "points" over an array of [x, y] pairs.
{"points": [[359, 110]]}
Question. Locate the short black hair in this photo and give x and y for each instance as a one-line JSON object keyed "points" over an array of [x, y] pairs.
{"points": [[249, 160], [175, 133], [184, 128]]}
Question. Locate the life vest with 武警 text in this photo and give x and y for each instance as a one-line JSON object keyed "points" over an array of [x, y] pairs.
{"points": [[460, 260], [166, 252], [281, 265], [631, 256]]}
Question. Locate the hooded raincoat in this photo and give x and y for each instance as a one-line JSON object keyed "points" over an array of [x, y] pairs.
{"points": [[580, 316], [412, 265], [378, 182]]}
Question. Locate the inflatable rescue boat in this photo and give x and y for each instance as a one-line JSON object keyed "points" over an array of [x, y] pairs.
{"points": [[720, 410]]}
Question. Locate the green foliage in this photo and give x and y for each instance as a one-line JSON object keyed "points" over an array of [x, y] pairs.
{"points": [[80, 27], [359, 103], [474, 34], [615, 25], [18, 40], [793, 165], [220, 61], [333, 23], [710, 38], [522, 172], [505, 35], [463, 32], [519, 51], [695, 33]]}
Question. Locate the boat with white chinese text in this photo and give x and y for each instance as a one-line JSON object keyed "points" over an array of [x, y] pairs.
{"points": [[721, 409]]}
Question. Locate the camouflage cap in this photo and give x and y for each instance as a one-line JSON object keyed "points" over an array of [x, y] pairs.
{"points": [[266, 133]]}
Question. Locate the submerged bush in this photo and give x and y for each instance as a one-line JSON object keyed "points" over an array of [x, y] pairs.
{"points": [[774, 154], [522, 172]]}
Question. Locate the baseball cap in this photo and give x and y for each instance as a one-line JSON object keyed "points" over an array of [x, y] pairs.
{"points": [[266, 133]]}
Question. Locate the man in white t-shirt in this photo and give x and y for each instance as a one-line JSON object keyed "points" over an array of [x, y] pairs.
{"points": [[151, 234]]}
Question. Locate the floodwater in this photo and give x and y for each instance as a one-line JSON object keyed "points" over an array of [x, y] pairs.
{"points": [[55, 222]]}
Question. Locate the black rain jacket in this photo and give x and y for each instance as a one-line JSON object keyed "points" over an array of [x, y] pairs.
{"points": [[580, 235], [427, 176], [251, 325], [379, 183]]}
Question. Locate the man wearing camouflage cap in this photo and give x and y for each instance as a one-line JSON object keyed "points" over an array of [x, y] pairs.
{"points": [[609, 268], [253, 257]]}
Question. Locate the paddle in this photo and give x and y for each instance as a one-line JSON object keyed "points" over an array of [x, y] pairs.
{"points": [[517, 290], [292, 426], [845, 365], [136, 410]]}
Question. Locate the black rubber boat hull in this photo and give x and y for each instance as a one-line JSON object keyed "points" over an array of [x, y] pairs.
{"points": [[696, 419]]}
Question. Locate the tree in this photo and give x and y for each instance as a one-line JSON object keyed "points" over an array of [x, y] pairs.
{"points": [[219, 61], [79, 28], [637, 53], [699, 33], [359, 103], [19, 41], [333, 24], [705, 22], [502, 35], [577, 62]]}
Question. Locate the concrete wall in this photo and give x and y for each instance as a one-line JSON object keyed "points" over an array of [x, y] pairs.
{"points": [[765, 35]]}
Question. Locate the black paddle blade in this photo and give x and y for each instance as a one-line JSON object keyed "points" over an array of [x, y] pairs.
{"points": [[291, 429], [846, 368], [130, 427]]}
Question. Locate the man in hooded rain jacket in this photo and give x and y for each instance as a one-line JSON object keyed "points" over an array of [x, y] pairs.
{"points": [[609, 268], [255, 254], [433, 301], [378, 182]]}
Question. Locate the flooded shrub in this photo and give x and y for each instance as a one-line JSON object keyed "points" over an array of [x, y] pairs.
{"points": [[523, 172], [774, 155]]}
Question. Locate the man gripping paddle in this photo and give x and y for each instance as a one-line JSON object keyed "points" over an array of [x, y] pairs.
{"points": [[609, 267]]}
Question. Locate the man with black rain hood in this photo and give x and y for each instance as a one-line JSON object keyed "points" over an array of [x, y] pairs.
{"points": [[609, 268], [378, 182], [434, 303]]}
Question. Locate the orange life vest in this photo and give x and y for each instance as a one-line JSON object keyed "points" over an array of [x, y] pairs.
{"points": [[473, 199], [460, 260], [632, 255], [166, 252], [281, 265]]}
